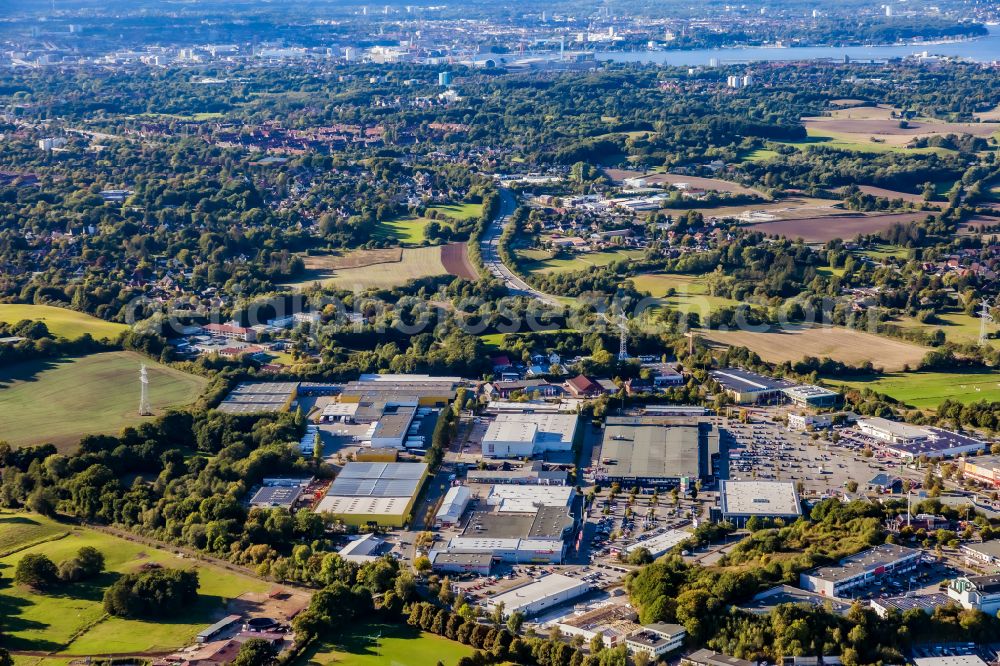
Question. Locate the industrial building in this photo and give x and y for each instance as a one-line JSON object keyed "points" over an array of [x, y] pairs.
{"points": [[987, 552], [748, 388], [443, 561], [911, 442], [428, 391], [456, 500], [374, 493], [764, 602], [661, 543], [531, 474], [276, 496], [363, 549], [527, 499], [534, 597], [859, 569], [657, 451], [979, 592], [984, 469], [739, 501], [811, 396], [928, 603], [529, 434]]}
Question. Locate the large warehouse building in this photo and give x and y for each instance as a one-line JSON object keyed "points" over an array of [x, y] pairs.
{"points": [[374, 493], [658, 450], [911, 442], [860, 569], [747, 387], [529, 434], [984, 469], [535, 597], [739, 501]]}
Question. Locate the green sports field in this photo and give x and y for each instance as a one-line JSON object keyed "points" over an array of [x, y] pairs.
{"points": [[60, 400], [60, 321], [380, 644], [926, 390], [71, 621]]}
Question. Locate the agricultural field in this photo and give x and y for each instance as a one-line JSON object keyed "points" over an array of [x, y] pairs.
{"points": [[871, 130], [790, 208], [322, 267], [379, 644], [827, 228], [759, 155], [409, 229], [455, 257], [414, 263], [539, 261], [72, 621], [840, 344], [86, 395], [927, 390], [61, 321]]}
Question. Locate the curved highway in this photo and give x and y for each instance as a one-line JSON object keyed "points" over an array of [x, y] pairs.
{"points": [[489, 248]]}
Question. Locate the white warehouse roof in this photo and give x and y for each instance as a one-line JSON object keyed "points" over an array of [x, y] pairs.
{"points": [[550, 586], [454, 504], [527, 499]]}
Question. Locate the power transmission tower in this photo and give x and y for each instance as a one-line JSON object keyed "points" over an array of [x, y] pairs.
{"points": [[622, 325], [144, 408], [984, 318]]}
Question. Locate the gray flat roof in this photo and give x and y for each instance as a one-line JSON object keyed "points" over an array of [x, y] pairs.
{"points": [[745, 381], [759, 498], [866, 560], [489, 525], [925, 602], [651, 447], [276, 496], [361, 479], [991, 548], [786, 594]]}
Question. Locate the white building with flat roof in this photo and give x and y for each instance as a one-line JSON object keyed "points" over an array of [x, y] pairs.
{"points": [[527, 499], [739, 501], [539, 595], [512, 435], [661, 543], [860, 569], [456, 500]]}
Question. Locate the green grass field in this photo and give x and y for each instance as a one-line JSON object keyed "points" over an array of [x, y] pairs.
{"points": [[72, 621], [409, 230], [926, 390], [758, 155], [886, 251], [534, 261], [691, 292], [60, 321], [817, 136], [381, 644], [957, 326], [90, 394]]}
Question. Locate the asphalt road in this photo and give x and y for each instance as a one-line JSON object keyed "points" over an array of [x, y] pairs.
{"points": [[489, 249]]}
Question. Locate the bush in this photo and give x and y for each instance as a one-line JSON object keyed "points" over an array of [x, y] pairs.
{"points": [[37, 571]]}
